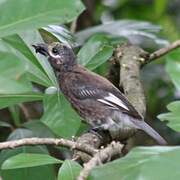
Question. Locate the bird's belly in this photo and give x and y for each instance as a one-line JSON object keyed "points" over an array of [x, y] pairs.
{"points": [[118, 124], [121, 125]]}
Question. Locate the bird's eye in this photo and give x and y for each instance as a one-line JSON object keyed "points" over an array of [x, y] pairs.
{"points": [[55, 51]]}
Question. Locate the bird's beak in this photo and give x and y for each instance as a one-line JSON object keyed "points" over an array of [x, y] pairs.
{"points": [[41, 48]]}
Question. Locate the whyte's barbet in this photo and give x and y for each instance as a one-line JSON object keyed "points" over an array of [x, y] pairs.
{"points": [[95, 99]]}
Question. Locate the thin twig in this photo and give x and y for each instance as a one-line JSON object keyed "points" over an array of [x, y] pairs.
{"points": [[49, 141], [161, 52], [73, 26], [25, 111], [114, 149]]}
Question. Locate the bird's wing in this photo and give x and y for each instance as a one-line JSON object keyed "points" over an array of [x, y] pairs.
{"points": [[110, 97], [88, 85]]}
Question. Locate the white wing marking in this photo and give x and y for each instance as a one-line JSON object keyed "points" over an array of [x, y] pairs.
{"points": [[81, 93], [106, 102], [84, 92], [88, 92], [112, 98]]}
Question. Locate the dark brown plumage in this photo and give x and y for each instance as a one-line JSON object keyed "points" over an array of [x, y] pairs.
{"points": [[96, 99]]}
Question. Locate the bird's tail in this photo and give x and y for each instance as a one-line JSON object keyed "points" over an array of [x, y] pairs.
{"points": [[150, 131]]}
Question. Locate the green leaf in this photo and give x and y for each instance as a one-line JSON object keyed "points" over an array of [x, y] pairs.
{"points": [[35, 14], [10, 66], [39, 129], [149, 163], [160, 6], [173, 117], [95, 52], [59, 116], [5, 124], [15, 114], [12, 74], [173, 67], [21, 133], [41, 173], [38, 69], [9, 86], [101, 57], [59, 33], [69, 170], [25, 160], [137, 32], [11, 99], [17, 42], [28, 37]]}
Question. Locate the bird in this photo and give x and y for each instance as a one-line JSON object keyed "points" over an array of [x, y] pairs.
{"points": [[98, 102]]}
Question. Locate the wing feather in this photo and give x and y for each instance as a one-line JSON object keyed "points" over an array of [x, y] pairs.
{"points": [[102, 96], [100, 89], [115, 100]]}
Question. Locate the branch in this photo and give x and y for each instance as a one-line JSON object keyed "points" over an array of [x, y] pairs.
{"points": [[161, 52], [89, 139], [114, 149], [130, 58], [49, 141]]}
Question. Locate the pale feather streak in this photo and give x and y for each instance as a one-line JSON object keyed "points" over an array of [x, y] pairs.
{"points": [[112, 98], [106, 102]]}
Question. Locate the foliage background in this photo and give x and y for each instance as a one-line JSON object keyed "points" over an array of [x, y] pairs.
{"points": [[30, 101]]}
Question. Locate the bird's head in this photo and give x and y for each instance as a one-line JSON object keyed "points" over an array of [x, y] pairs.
{"points": [[60, 56]]}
